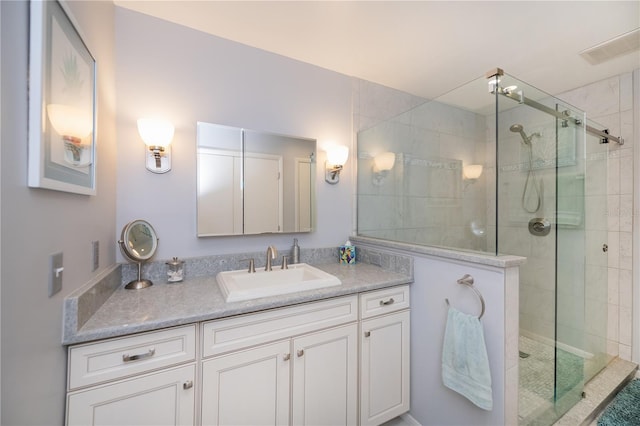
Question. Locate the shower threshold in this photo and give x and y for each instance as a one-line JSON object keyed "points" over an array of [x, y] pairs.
{"points": [[599, 391]]}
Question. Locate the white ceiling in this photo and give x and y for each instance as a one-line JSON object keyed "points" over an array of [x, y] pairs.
{"points": [[422, 47]]}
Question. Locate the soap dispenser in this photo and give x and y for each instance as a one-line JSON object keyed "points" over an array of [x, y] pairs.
{"points": [[295, 252]]}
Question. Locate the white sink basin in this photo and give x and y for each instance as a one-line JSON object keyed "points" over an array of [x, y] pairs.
{"points": [[241, 285]]}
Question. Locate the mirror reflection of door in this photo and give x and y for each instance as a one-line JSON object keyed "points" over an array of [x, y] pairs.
{"points": [[219, 192], [262, 193], [252, 182], [303, 195]]}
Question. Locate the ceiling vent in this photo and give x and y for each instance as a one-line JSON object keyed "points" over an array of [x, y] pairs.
{"points": [[617, 46]]}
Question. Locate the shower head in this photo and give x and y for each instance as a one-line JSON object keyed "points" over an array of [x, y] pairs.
{"points": [[517, 128]]}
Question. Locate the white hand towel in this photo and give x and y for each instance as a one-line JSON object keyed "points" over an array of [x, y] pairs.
{"points": [[465, 364]]}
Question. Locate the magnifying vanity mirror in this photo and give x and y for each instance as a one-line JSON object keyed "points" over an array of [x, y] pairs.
{"points": [[138, 243], [252, 182]]}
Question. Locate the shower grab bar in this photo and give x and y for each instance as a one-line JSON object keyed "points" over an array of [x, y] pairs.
{"points": [[468, 281]]}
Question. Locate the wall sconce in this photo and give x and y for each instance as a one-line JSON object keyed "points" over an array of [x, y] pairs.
{"points": [[73, 125], [471, 173], [336, 159], [157, 135], [382, 163]]}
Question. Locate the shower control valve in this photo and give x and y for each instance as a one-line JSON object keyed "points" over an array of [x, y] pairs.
{"points": [[539, 226]]}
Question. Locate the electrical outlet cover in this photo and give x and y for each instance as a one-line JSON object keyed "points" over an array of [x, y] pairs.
{"points": [[56, 270]]}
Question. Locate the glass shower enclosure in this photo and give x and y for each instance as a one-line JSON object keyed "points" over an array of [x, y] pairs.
{"points": [[499, 167]]}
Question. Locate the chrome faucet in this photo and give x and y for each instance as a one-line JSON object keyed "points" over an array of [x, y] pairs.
{"points": [[272, 252]]}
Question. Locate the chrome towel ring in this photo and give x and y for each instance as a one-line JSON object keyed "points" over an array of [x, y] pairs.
{"points": [[468, 281]]}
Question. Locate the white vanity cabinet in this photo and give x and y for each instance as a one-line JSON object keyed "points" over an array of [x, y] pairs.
{"points": [[248, 387], [325, 377], [384, 355], [307, 376], [338, 361], [145, 379]]}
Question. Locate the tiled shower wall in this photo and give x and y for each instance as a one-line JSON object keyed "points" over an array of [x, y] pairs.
{"points": [[610, 103], [424, 198]]}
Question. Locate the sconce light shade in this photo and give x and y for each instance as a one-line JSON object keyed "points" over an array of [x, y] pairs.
{"points": [[69, 121], [384, 162], [336, 159], [74, 125], [157, 135], [472, 171]]}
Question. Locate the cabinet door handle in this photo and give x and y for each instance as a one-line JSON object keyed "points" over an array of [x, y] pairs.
{"points": [[300, 352], [187, 385], [129, 358], [367, 333], [388, 302], [286, 357]]}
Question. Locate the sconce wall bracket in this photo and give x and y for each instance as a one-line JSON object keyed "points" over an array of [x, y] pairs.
{"points": [[158, 159], [332, 173]]}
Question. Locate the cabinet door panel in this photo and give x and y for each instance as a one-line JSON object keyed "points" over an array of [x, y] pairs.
{"points": [[325, 377], [384, 368], [157, 399], [247, 387]]}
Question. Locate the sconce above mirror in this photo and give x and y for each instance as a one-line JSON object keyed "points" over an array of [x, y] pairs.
{"points": [[252, 182]]}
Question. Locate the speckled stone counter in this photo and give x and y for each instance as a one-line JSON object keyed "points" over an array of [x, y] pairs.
{"points": [[199, 299]]}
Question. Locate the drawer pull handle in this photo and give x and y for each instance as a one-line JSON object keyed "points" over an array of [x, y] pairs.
{"points": [[300, 352], [367, 333], [187, 385], [388, 302], [286, 357], [129, 358]]}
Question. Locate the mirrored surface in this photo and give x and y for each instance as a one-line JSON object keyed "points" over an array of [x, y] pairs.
{"points": [[138, 242], [252, 182]]}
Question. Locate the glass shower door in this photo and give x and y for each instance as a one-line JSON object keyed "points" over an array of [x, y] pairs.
{"points": [[572, 246], [602, 202]]}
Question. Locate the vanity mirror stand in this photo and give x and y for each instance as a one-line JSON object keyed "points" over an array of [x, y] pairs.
{"points": [[138, 243]]}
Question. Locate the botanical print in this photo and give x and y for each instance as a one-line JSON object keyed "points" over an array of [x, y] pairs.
{"points": [[71, 97]]}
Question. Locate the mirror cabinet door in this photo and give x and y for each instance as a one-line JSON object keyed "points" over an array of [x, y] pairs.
{"points": [[253, 182]]}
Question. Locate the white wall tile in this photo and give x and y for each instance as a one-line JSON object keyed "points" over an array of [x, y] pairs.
{"points": [[613, 286], [624, 352], [625, 326]]}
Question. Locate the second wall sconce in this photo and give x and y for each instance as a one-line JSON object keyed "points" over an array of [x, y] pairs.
{"points": [[471, 173], [336, 159], [382, 163], [157, 135]]}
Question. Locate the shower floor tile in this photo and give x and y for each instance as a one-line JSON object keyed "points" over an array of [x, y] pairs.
{"points": [[537, 377]]}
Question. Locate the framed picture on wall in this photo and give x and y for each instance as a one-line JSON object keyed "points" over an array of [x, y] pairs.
{"points": [[62, 103]]}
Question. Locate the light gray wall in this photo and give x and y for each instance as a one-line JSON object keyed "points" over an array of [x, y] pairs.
{"points": [[186, 76], [435, 279], [36, 223]]}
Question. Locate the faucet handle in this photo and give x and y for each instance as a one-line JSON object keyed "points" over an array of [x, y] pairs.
{"points": [[252, 266], [285, 264]]}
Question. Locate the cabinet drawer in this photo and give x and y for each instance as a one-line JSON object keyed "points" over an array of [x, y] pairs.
{"points": [[230, 334], [116, 358], [383, 301]]}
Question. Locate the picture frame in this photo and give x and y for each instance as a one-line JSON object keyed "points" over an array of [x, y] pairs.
{"points": [[62, 103]]}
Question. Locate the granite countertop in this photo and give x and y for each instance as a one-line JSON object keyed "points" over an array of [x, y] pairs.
{"points": [[199, 299]]}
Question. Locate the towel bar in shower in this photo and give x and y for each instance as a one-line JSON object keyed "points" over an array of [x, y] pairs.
{"points": [[468, 281]]}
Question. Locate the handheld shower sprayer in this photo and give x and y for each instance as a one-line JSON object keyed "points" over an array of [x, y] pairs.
{"points": [[517, 128], [531, 182]]}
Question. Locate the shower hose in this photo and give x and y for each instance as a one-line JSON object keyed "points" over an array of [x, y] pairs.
{"points": [[531, 183]]}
